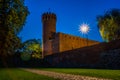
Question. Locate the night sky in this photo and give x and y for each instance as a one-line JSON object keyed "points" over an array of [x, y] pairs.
{"points": [[70, 14]]}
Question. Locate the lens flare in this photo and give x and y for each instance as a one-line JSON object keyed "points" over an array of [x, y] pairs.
{"points": [[84, 28]]}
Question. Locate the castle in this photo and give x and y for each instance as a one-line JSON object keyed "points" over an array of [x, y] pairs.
{"points": [[56, 42]]}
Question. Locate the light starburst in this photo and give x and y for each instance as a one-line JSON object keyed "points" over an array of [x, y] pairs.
{"points": [[84, 28]]}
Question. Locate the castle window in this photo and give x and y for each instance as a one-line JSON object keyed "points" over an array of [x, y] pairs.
{"points": [[48, 17], [50, 38], [54, 17]]}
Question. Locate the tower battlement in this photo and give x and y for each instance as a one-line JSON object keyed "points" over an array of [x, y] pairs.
{"points": [[49, 16]]}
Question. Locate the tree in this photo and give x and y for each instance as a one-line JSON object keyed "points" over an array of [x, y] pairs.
{"points": [[13, 14], [31, 47], [109, 25]]}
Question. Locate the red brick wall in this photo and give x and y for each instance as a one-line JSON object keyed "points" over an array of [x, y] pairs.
{"points": [[99, 55], [52, 46], [64, 42], [70, 42]]}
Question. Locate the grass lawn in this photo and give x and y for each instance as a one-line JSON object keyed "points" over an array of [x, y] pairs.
{"points": [[101, 73], [18, 74]]}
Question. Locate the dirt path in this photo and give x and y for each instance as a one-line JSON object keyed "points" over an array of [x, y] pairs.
{"points": [[61, 76]]}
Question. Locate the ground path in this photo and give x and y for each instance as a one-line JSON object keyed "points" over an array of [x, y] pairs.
{"points": [[61, 76]]}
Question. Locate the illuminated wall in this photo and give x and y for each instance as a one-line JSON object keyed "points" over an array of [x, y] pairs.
{"points": [[70, 42], [64, 42]]}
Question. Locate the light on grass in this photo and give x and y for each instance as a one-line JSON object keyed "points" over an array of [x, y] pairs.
{"points": [[84, 28]]}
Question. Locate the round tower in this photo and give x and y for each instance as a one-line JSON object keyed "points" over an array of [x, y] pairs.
{"points": [[49, 30], [49, 25]]}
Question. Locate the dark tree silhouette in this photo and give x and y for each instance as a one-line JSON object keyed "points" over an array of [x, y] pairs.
{"points": [[109, 25], [13, 14]]}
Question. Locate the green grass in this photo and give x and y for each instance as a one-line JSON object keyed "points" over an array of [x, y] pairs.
{"points": [[18, 74], [100, 73]]}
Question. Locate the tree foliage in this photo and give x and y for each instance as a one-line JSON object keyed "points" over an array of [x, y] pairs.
{"points": [[109, 25], [13, 14], [32, 47]]}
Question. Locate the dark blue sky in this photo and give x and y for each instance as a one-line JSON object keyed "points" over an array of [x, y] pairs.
{"points": [[70, 14]]}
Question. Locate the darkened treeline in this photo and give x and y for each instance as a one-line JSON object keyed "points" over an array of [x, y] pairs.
{"points": [[16, 61]]}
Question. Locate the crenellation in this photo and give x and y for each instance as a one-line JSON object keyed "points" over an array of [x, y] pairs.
{"points": [[48, 16]]}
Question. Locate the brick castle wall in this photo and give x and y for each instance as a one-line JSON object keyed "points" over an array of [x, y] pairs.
{"points": [[64, 42], [70, 42], [103, 55]]}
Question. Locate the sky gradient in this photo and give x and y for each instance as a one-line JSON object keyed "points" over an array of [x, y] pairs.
{"points": [[70, 14]]}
